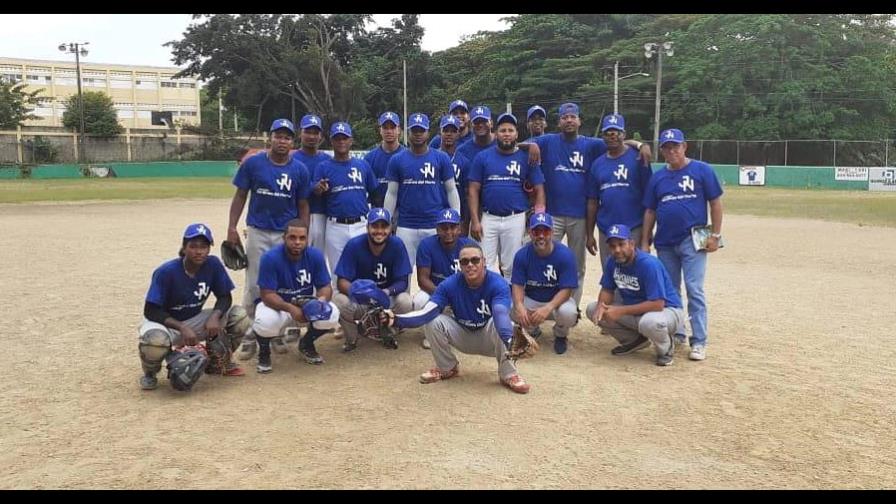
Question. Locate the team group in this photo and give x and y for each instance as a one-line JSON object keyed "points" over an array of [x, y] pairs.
{"points": [[480, 215]]}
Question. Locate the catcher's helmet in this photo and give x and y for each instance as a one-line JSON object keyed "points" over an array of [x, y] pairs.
{"points": [[366, 292], [321, 315], [185, 368]]}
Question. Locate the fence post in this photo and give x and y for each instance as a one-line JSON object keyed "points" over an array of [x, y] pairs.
{"points": [[20, 155], [127, 137], [75, 143], [785, 152], [835, 152], [701, 150], [177, 132], [887, 152], [737, 145]]}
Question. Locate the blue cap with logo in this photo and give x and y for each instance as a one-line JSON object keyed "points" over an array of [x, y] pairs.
{"points": [[340, 128], [458, 103], [198, 229], [671, 135], [449, 120], [620, 231], [612, 121], [569, 108], [536, 109], [506, 117], [311, 121], [378, 214], [391, 117], [481, 112], [283, 124], [541, 219], [449, 216], [418, 120]]}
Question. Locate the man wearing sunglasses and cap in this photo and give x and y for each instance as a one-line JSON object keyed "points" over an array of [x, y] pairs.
{"points": [[379, 156], [460, 111]]}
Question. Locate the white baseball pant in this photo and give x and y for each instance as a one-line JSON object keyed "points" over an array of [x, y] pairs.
{"points": [[502, 237]]}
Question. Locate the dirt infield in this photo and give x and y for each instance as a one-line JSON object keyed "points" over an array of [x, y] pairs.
{"points": [[797, 390]]}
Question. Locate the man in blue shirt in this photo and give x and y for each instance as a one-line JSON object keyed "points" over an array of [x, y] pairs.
{"points": [[310, 137], [450, 128], [173, 314], [650, 309], [460, 111], [379, 156], [676, 200], [280, 187], [544, 277], [376, 256], [536, 121], [479, 323], [483, 137]]}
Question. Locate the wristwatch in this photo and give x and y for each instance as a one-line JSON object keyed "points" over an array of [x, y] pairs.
{"points": [[717, 236]]}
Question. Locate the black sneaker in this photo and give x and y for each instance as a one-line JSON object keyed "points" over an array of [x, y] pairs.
{"points": [[311, 356], [149, 382], [264, 363], [560, 346], [348, 347], [634, 346]]}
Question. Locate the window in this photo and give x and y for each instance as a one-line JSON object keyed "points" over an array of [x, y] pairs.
{"points": [[144, 114], [188, 85], [66, 81], [119, 83], [94, 82], [11, 77], [38, 79], [145, 84], [125, 114], [43, 111], [166, 84]]}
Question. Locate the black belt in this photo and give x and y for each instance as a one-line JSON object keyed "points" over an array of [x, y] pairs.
{"points": [[505, 215], [346, 220]]}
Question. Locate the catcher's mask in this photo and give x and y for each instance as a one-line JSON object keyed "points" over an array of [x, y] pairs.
{"points": [[185, 367], [366, 292]]}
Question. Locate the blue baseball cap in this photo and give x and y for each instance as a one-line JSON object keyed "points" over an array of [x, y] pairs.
{"points": [[536, 109], [311, 121], [458, 103], [378, 214], [481, 112], [283, 124], [620, 231], [418, 120], [449, 120], [671, 135], [569, 108], [541, 219], [449, 216], [391, 117], [321, 314], [340, 128], [612, 121], [195, 230], [506, 117]]}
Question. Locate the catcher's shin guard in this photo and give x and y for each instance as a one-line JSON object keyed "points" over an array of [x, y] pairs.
{"points": [[238, 324], [154, 345]]}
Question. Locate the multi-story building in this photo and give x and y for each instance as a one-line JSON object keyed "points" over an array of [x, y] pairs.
{"points": [[136, 91]]}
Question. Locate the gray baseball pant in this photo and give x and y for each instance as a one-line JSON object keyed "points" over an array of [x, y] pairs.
{"points": [[444, 332], [658, 327], [565, 316], [349, 311], [574, 229]]}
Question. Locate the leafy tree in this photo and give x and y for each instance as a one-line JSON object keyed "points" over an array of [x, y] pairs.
{"points": [[16, 104], [100, 117]]}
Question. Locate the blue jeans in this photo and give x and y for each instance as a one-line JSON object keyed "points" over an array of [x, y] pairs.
{"points": [[684, 257]]}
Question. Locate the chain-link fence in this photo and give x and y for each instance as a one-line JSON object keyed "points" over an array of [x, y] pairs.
{"points": [[793, 152]]}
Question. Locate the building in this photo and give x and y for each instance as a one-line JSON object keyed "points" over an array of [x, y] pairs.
{"points": [[140, 93]]}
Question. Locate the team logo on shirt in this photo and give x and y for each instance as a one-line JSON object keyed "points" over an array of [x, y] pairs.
{"points": [[686, 184], [627, 282], [428, 170], [355, 175], [303, 277], [381, 272], [577, 159], [513, 168], [202, 292], [483, 309], [285, 183], [550, 273], [455, 265], [456, 172], [621, 173]]}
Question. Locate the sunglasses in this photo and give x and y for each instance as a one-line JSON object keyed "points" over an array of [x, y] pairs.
{"points": [[470, 260]]}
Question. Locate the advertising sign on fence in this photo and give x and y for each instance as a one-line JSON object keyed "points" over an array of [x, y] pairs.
{"points": [[752, 175], [853, 173], [882, 179]]}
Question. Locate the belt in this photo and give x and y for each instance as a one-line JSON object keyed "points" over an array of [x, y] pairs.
{"points": [[505, 215], [346, 220]]}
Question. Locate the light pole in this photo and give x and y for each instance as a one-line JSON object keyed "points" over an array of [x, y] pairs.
{"points": [[77, 49], [658, 49], [616, 80]]}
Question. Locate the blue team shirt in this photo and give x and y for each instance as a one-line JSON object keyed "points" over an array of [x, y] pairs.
{"points": [[680, 199], [442, 263], [461, 167], [421, 190], [618, 184], [565, 166], [543, 277], [644, 280], [357, 262], [277, 272], [502, 176], [183, 297], [436, 142], [350, 183], [472, 308], [378, 159], [470, 149], [274, 190], [316, 204]]}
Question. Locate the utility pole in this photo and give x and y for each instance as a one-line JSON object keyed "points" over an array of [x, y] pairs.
{"points": [[405, 66], [78, 50], [658, 49], [616, 80]]}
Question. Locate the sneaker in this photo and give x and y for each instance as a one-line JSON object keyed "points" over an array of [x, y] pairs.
{"points": [[664, 360], [681, 339], [277, 345], [264, 364], [535, 333], [233, 369], [311, 356], [425, 344], [634, 346], [698, 352], [292, 335], [348, 347], [517, 384], [559, 346], [149, 382], [247, 350], [436, 374]]}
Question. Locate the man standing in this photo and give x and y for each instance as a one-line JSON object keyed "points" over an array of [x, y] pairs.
{"points": [[499, 173], [460, 111], [378, 157], [544, 277], [376, 256], [280, 187], [650, 309], [536, 121], [676, 200], [311, 137], [483, 138], [421, 183], [450, 128], [616, 184]]}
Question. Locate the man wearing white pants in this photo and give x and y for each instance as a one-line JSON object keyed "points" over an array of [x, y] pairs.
{"points": [[310, 137], [497, 176]]}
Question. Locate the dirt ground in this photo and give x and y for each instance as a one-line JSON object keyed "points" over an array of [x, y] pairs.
{"points": [[797, 391]]}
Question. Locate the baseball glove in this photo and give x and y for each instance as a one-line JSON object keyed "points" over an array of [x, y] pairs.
{"points": [[372, 326], [233, 255], [185, 366], [522, 346]]}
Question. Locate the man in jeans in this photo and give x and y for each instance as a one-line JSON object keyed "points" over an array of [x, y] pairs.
{"points": [[676, 199]]}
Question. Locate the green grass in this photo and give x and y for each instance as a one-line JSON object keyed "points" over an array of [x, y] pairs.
{"points": [[857, 207]]}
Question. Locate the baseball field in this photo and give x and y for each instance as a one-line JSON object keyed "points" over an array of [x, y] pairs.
{"points": [[796, 392]]}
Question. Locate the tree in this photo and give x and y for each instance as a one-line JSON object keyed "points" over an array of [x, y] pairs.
{"points": [[16, 104], [100, 117]]}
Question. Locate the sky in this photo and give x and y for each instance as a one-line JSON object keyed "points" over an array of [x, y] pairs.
{"points": [[136, 39]]}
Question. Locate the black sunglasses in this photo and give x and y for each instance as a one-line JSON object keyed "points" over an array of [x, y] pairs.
{"points": [[470, 260]]}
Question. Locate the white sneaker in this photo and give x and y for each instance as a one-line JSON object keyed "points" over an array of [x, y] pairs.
{"points": [[698, 352]]}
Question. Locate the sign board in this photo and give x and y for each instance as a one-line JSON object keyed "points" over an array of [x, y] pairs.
{"points": [[853, 173], [882, 179], [752, 175]]}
